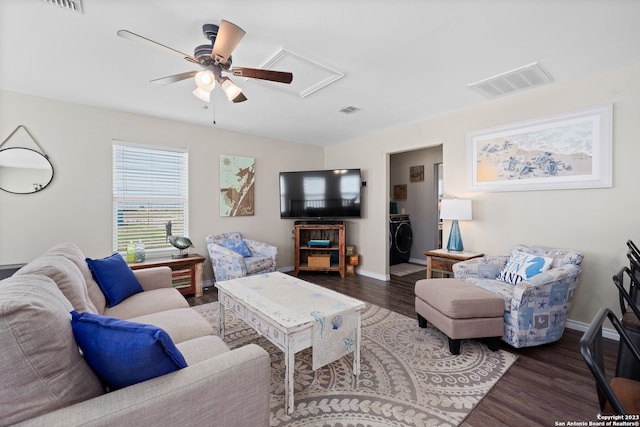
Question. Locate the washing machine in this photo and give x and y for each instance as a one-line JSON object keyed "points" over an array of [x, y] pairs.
{"points": [[400, 239]]}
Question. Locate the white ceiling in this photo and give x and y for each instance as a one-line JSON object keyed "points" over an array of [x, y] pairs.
{"points": [[402, 60]]}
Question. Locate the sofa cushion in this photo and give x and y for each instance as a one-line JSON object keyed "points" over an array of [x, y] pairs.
{"points": [[203, 348], [182, 324], [123, 353], [147, 302], [522, 266], [238, 246], [115, 278], [73, 252], [43, 369], [67, 277]]}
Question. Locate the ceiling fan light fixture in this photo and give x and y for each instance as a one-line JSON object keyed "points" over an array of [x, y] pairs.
{"points": [[230, 89], [205, 80], [202, 94]]}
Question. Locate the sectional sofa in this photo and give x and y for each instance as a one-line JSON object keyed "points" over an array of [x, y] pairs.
{"points": [[46, 378]]}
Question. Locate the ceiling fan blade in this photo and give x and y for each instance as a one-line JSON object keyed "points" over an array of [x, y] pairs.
{"points": [[229, 35], [257, 73], [148, 42], [174, 78], [239, 98]]}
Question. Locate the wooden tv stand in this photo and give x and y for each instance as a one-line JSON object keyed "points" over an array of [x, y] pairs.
{"points": [[331, 258]]}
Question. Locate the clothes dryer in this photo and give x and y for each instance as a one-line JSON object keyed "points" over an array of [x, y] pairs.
{"points": [[400, 239]]}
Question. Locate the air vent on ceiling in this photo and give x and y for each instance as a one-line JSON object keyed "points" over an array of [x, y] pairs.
{"points": [[517, 80], [72, 5], [308, 76], [350, 109]]}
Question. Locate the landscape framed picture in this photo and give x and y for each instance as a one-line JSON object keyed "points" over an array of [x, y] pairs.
{"points": [[565, 151], [416, 173]]}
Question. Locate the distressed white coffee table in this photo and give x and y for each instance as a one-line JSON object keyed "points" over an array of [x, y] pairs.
{"points": [[294, 315]]}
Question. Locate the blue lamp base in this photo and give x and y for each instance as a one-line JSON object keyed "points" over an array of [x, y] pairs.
{"points": [[455, 238]]}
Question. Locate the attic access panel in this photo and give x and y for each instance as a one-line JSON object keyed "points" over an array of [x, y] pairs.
{"points": [[308, 76]]}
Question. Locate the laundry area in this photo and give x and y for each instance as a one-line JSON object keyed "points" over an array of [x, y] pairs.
{"points": [[415, 189]]}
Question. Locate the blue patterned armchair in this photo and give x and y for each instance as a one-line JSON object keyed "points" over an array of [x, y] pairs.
{"points": [[233, 257], [535, 308]]}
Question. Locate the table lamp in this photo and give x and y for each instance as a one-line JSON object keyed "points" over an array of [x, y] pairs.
{"points": [[455, 209]]}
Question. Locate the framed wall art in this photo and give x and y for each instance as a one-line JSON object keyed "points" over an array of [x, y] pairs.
{"points": [[416, 173], [565, 151], [237, 185], [400, 192]]}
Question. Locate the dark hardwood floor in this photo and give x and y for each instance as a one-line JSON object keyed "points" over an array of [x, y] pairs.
{"points": [[546, 384]]}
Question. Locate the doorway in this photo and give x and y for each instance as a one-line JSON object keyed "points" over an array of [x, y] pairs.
{"points": [[414, 188]]}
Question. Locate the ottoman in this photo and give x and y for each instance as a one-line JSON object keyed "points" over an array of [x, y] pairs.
{"points": [[460, 310]]}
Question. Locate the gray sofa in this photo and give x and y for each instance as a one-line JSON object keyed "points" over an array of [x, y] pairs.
{"points": [[46, 381]]}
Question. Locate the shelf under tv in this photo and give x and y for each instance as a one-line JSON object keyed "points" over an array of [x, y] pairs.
{"points": [[306, 232]]}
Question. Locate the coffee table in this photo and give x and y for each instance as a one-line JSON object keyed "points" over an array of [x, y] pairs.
{"points": [[295, 315]]}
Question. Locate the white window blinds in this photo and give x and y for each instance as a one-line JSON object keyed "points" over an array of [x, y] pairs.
{"points": [[150, 188]]}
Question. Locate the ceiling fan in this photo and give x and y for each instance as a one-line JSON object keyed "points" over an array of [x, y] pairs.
{"points": [[215, 59]]}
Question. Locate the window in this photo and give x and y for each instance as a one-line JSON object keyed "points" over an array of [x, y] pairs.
{"points": [[314, 191], [150, 188]]}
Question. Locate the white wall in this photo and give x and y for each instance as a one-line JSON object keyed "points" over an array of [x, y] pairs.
{"points": [[597, 222], [76, 207]]}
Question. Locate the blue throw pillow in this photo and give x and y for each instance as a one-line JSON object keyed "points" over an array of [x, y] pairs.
{"points": [[115, 278], [522, 266], [237, 246], [123, 353]]}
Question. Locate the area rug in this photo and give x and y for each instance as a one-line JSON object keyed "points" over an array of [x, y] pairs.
{"points": [[408, 376], [405, 269]]}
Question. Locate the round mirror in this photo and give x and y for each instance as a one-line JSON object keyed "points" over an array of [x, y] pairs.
{"points": [[24, 171]]}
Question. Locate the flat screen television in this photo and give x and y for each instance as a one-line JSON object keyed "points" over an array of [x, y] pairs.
{"points": [[320, 194]]}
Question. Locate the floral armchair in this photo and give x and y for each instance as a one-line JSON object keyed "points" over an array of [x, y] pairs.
{"points": [[535, 308], [233, 257]]}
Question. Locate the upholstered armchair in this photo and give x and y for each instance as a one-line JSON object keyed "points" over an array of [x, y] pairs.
{"points": [[536, 308], [233, 257]]}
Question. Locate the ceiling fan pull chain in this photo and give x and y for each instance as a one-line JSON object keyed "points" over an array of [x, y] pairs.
{"points": [[214, 111]]}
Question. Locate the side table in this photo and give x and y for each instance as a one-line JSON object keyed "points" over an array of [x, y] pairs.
{"points": [[186, 272], [441, 260]]}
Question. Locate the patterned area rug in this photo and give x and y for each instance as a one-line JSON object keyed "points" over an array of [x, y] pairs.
{"points": [[408, 376], [405, 269]]}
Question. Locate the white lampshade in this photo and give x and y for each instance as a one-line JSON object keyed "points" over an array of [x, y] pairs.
{"points": [[455, 209], [230, 89], [202, 94], [205, 80]]}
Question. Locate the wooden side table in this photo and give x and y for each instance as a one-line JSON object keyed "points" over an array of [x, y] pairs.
{"points": [[441, 260], [186, 272]]}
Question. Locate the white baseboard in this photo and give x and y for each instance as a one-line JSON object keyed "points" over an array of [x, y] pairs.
{"points": [[611, 334], [382, 277]]}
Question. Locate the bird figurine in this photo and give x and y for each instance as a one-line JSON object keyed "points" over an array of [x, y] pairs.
{"points": [[181, 242]]}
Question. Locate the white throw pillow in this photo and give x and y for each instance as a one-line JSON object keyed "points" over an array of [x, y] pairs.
{"points": [[522, 266]]}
